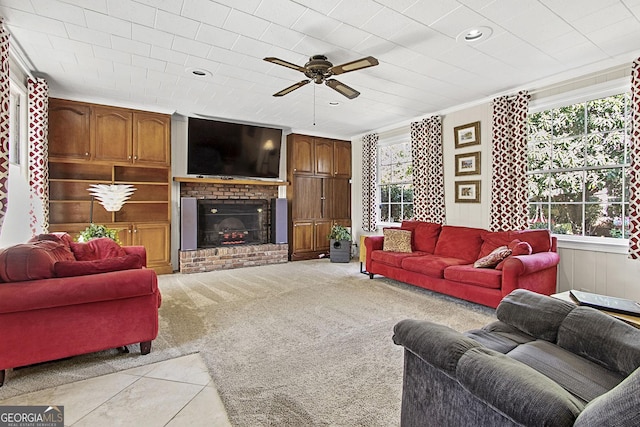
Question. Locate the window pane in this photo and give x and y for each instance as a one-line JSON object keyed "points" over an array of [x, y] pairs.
{"points": [[538, 214], [384, 156], [604, 185], [539, 125], [384, 212], [538, 187], [566, 219], [566, 186], [407, 193], [568, 121], [607, 223], [401, 172], [606, 149], [395, 193], [384, 194], [606, 114], [539, 154], [407, 211], [396, 215], [568, 153], [384, 172]]}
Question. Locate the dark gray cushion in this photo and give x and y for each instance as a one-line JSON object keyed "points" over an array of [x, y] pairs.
{"points": [[601, 338], [617, 408], [517, 390], [579, 376], [492, 340], [534, 314], [437, 344]]}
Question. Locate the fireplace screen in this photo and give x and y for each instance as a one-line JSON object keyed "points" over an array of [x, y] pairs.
{"points": [[237, 222]]}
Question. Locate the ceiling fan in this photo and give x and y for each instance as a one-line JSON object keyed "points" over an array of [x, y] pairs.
{"points": [[319, 70]]}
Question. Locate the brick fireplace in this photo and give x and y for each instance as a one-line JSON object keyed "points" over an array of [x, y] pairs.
{"points": [[233, 227]]}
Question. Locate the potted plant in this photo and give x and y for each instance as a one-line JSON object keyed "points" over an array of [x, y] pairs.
{"points": [[94, 231], [339, 244]]}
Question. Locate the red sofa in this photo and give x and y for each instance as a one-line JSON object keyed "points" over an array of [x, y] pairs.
{"points": [[442, 259], [59, 298]]}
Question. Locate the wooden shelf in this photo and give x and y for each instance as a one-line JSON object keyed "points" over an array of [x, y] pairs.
{"points": [[232, 181]]}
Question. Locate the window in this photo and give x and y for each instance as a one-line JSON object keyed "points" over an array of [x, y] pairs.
{"points": [[395, 187], [578, 168]]}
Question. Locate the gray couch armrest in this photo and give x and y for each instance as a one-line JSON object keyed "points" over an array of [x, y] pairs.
{"points": [[436, 344], [537, 315], [517, 390]]}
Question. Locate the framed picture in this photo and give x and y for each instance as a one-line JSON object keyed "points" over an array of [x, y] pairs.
{"points": [[468, 164], [467, 191], [468, 134]]}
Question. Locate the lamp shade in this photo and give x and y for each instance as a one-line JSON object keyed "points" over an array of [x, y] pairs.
{"points": [[111, 196]]}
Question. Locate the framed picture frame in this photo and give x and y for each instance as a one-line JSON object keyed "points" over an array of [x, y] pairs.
{"points": [[466, 135], [468, 164], [468, 191]]}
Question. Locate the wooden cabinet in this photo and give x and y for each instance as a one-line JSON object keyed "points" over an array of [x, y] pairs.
{"points": [[126, 147], [320, 194], [69, 131]]}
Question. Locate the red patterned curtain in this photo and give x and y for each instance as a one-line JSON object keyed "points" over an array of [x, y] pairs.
{"points": [[428, 171], [4, 120], [509, 151], [634, 184], [38, 155], [369, 180]]}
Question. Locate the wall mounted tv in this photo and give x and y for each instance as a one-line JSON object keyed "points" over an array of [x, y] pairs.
{"points": [[226, 149]]}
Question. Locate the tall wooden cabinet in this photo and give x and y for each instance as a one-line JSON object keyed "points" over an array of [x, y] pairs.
{"points": [[319, 170], [97, 144]]}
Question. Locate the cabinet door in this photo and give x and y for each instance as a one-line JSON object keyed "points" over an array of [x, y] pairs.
{"points": [[151, 139], [155, 238], [302, 155], [112, 132], [342, 159], [323, 150], [338, 198], [307, 198], [303, 233], [69, 131], [322, 230]]}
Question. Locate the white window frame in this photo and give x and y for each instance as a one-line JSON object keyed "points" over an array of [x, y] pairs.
{"points": [[386, 142], [602, 90]]}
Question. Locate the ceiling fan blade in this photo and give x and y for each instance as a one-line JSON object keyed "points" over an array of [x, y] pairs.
{"points": [[342, 88], [285, 63], [359, 64], [291, 88]]}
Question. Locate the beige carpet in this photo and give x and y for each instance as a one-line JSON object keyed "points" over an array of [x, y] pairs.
{"points": [[303, 343]]}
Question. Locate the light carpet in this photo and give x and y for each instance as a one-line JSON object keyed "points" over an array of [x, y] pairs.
{"points": [[302, 343]]}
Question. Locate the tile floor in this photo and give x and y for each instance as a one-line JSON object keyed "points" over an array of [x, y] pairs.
{"points": [[176, 392]]}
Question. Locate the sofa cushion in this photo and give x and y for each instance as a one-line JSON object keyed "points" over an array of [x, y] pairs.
{"points": [[459, 242], [579, 376], [601, 338], [493, 240], [537, 315], [31, 261], [81, 268], [396, 240], [94, 249], [60, 237], [494, 258], [517, 247], [431, 265], [426, 236], [485, 277], [393, 259]]}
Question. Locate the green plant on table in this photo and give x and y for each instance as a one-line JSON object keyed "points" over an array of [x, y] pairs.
{"points": [[339, 232], [94, 231]]}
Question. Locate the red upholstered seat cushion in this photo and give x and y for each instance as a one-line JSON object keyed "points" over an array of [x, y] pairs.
{"points": [[32, 261], [459, 242], [426, 236], [431, 265], [485, 277], [94, 249], [82, 268], [393, 259]]}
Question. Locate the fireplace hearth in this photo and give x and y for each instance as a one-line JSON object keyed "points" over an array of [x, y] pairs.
{"points": [[224, 223]]}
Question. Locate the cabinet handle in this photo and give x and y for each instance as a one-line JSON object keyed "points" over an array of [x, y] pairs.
{"points": [[295, 169], [135, 230], [135, 157], [129, 231], [86, 154], [129, 158]]}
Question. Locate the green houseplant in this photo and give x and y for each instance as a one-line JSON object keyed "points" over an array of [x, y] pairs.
{"points": [[339, 244], [94, 231]]}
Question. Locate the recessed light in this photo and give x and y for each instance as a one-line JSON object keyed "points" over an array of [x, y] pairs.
{"points": [[334, 103], [474, 35], [198, 72]]}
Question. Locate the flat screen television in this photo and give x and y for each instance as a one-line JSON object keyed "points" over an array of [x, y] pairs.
{"points": [[217, 148]]}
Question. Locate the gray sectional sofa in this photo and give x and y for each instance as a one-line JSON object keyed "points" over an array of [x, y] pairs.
{"points": [[544, 362]]}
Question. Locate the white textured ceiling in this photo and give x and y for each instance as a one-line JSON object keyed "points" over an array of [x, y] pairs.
{"points": [[139, 53]]}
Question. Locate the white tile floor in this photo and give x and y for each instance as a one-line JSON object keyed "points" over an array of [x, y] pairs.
{"points": [[177, 392]]}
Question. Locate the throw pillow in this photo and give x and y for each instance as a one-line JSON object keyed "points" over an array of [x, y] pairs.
{"points": [[491, 260], [94, 249], [396, 240], [517, 247], [30, 261], [82, 268]]}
